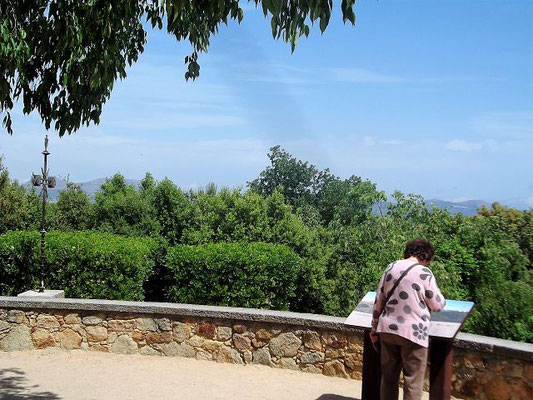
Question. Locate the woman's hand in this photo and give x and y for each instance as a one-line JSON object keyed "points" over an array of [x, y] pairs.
{"points": [[374, 338]]}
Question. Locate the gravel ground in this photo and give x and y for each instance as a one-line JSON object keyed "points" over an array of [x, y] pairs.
{"points": [[86, 375]]}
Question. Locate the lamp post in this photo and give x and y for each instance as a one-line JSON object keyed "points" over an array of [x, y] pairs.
{"points": [[45, 182]]}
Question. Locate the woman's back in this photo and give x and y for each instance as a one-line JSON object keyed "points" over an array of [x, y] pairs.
{"points": [[407, 312]]}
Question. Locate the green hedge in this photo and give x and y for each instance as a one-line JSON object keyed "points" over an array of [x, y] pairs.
{"points": [[84, 264], [259, 275]]}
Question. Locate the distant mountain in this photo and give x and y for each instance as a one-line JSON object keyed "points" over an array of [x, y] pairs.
{"points": [[93, 186], [468, 207], [90, 187]]}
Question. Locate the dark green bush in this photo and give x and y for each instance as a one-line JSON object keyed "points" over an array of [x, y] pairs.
{"points": [[504, 310], [259, 275], [84, 264]]}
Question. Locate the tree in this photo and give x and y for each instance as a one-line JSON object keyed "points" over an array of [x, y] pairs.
{"points": [[171, 207], [303, 186], [62, 57], [73, 210], [121, 209], [18, 209], [517, 224], [294, 178]]}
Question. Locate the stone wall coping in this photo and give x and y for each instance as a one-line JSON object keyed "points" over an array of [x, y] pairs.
{"points": [[177, 309], [466, 341]]}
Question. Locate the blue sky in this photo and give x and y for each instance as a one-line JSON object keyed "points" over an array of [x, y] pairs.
{"points": [[428, 97]]}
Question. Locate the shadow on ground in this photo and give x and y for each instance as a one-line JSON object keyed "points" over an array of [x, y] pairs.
{"points": [[329, 396], [14, 386]]}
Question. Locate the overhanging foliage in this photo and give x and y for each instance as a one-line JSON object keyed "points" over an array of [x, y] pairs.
{"points": [[62, 57]]}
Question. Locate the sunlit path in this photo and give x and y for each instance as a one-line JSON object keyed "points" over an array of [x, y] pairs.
{"points": [[84, 375]]}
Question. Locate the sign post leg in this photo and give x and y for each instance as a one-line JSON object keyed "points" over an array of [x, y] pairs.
{"points": [[371, 370], [440, 372]]}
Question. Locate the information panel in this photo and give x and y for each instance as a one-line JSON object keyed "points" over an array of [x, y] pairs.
{"points": [[444, 324]]}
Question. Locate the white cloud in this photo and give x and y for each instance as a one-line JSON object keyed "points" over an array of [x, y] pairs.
{"points": [[517, 125], [160, 122], [369, 141], [464, 145], [360, 75], [374, 141]]}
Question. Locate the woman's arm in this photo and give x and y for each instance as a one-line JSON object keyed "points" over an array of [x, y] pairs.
{"points": [[432, 294], [378, 303]]}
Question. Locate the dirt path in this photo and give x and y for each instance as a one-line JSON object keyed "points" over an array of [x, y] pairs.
{"points": [[84, 375]]}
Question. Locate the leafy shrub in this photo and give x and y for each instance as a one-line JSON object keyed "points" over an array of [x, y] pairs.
{"points": [[84, 264], [505, 310], [257, 275]]}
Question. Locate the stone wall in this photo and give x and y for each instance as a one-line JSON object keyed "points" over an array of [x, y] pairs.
{"points": [[484, 368]]}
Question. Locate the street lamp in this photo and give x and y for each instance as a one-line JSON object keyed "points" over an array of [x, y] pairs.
{"points": [[45, 182]]}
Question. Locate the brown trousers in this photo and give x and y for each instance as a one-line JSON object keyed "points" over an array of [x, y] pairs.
{"points": [[398, 353]]}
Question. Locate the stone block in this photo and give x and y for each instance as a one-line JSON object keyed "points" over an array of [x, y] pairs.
{"points": [[288, 363], [312, 357], [69, 340], [264, 334], [359, 376], [335, 368], [153, 337], [335, 340], [223, 333], [174, 349], [257, 343], [138, 336], [146, 324], [120, 325], [96, 333], [261, 356], [211, 345], [18, 338], [354, 361], [529, 372], [148, 351], [181, 331], [355, 343], [285, 345], [312, 340], [204, 355], [42, 338], [523, 390], [98, 347], [239, 328], [335, 353], [95, 319], [72, 319], [47, 321], [164, 324], [247, 356], [111, 337], [241, 342], [17, 317], [196, 341], [474, 361], [312, 369], [206, 330], [5, 326], [124, 345], [498, 389], [229, 355]]}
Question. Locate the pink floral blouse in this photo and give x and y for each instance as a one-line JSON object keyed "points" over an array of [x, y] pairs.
{"points": [[407, 312]]}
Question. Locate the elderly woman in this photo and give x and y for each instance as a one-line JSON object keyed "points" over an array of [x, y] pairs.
{"points": [[406, 295]]}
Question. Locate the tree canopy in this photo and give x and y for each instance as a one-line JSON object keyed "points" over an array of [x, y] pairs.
{"points": [[343, 232], [62, 57]]}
